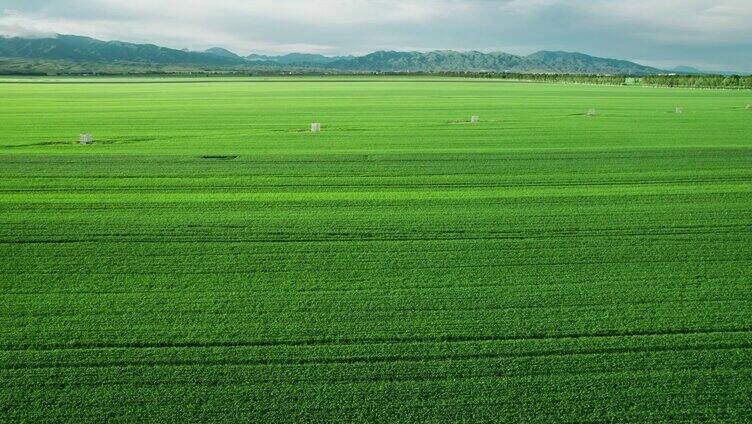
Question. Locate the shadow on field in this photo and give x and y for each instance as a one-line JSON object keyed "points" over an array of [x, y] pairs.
{"points": [[122, 140], [108, 140], [41, 143], [219, 157]]}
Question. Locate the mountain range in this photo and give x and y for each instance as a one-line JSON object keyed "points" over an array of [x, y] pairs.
{"points": [[71, 49]]}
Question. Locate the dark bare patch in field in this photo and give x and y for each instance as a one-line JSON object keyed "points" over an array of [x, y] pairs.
{"points": [[219, 157], [292, 130], [107, 140], [41, 143], [121, 140]]}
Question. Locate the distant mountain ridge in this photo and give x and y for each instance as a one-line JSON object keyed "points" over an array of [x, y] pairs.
{"points": [[88, 50], [85, 49], [540, 62]]}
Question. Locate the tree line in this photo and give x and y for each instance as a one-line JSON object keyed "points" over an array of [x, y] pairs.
{"points": [[687, 81], [63, 68]]}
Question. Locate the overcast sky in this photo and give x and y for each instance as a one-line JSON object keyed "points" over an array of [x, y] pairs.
{"points": [[710, 34]]}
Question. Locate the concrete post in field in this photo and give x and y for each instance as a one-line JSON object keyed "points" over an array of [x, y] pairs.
{"points": [[85, 139], [591, 112], [679, 110], [474, 119], [315, 127]]}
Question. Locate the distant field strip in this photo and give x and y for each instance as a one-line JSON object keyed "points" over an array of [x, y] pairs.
{"points": [[209, 259]]}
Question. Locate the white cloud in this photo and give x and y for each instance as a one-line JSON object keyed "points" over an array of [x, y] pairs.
{"points": [[14, 24], [525, 7], [324, 12], [675, 20]]}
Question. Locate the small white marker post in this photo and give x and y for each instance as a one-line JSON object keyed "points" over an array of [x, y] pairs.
{"points": [[749, 106], [315, 127], [679, 110], [474, 119], [591, 112], [85, 139]]}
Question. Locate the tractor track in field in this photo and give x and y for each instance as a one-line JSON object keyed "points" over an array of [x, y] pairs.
{"points": [[259, 271], [293, 361], [324, 188], [258, 311], [372, 237], [251, 290], [632, 372], [372, 340]]}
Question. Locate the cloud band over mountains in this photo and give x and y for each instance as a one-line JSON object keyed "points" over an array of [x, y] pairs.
{"points": [[711, 34]]}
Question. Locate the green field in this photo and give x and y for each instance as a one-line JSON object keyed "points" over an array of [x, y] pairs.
{"points": [[401, 265]]}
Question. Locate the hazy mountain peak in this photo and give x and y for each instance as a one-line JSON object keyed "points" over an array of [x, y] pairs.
{"points": [[222, 52]]}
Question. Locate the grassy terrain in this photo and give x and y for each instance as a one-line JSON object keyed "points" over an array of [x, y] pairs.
{"points": [[401, 265]]}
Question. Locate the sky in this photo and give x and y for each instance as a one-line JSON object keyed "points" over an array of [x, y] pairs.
{"points": [[707, 34]]}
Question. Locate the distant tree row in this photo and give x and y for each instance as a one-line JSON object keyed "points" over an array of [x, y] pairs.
{"points": [[64, 68], [699, 81], [689, 81]]}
